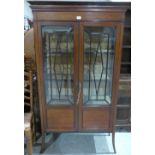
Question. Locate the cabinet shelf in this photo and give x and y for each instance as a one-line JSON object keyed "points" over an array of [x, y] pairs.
{"points": [[122, 124], [126, 63], [126, 46], [123, 106], [127, 26], [125, 76]]}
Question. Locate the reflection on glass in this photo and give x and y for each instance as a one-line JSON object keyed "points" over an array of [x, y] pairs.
{"points": [[99, 46], [58, 64]]}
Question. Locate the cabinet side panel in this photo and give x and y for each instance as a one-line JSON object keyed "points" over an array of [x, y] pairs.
{"points": [[39, 69], [117, 63]]}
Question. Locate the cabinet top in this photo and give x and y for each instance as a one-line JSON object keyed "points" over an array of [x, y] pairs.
{"points": [[50, 5], [76, 2]]}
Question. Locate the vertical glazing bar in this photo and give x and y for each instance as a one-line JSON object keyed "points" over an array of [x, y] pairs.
{"points": [[67, 55], [61, 68], [50, 64], [106, 68], [112, 62], [57, 44], [102, 69], [89, 69], [94, 69]]}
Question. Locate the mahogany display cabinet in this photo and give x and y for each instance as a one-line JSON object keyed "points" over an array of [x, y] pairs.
{"points": [[123, 122], [78, 57]]}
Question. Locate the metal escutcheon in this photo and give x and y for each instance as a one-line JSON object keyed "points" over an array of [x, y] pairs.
{"points": [[78, 17]]}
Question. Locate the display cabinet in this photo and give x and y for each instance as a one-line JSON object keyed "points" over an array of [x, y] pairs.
{"points": [[78, 56], [124, 96], [126, 48], [124, 104]]}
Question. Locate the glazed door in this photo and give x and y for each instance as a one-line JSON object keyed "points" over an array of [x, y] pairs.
{"points": [[97, 58], [80, 63], [60, 73]]}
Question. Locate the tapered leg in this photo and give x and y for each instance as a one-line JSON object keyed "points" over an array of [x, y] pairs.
{"points": [[55, 136], [113, 141], [28, 134], [43, 146]]}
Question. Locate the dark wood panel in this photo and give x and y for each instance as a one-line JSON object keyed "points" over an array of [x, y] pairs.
{"points": [[96, 118], [126, 56], [124, 89], [123, 114], [85, 16], [124, 103], [60, 119]]}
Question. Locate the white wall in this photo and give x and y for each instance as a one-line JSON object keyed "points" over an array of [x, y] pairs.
{"points": [[27, 10]]}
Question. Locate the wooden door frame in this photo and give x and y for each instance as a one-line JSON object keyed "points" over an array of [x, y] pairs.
{"points": [[116, 70], [40, 75]]}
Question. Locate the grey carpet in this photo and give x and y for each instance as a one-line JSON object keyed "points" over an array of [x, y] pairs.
{"points": [[73, 143]]}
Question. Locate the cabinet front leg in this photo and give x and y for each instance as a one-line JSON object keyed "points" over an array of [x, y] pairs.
{"points": [[43, 145], [113, 141], [55, 136]]}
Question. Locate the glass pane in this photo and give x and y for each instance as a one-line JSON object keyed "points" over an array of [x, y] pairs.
{"points": [[99, 45], [58, 64]]}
